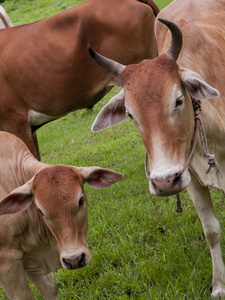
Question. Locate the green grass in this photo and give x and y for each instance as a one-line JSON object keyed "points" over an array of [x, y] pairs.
{"points": [[141, 248]]}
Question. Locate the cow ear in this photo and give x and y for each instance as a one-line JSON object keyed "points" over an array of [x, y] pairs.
{"points": [[100, 178], [196, 85], [18, 200], [113, 113]]}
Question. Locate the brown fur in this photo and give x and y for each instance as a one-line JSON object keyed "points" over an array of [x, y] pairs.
{"points": [[152, 5], [45, 66]]}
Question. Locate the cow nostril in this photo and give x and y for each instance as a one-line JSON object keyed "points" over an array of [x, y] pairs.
{"points": [[155, 186], [177, 180], [168, 185], [80, 259], [68, 263]]}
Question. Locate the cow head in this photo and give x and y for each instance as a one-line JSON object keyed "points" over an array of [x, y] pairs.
{"points": [[59, 196], [156, 95]]}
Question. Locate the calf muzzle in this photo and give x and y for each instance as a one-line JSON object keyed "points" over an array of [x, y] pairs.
{"points": [[75, 263]]}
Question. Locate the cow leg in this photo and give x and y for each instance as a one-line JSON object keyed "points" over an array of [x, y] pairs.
{"points": [[12, 276], [35, 141], [203, 204], [45, 284], [22, 130]]}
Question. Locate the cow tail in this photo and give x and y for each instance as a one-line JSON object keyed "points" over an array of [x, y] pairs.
{"points": [[153, 6]]}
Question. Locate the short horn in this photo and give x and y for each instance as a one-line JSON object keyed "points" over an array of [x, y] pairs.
{"points": [[176, 41], [106, 63]]}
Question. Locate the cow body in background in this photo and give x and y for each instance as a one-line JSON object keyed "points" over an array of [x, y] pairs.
{"points": [[5, 21], [159, 94], [51, 74], [43, 218]]}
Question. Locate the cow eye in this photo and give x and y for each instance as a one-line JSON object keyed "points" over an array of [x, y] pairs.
{"points": [[81, 201], [40, 211], [179, 102]]}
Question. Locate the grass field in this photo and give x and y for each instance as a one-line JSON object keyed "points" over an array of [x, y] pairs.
{"points": [[141, 248]]}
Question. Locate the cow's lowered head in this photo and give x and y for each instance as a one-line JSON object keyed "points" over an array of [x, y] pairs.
{"points": [[60, 201], [156, 95]]}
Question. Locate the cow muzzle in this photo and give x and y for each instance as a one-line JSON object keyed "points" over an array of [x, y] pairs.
{"points": [[75, 261], [170, 184]]}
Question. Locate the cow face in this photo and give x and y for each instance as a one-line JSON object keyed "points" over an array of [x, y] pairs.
{"points": [[162, 112], [60, 198], [156, 95]]}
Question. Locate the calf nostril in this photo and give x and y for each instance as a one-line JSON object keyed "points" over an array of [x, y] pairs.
{"points": [[80, 260], [68, 263]]}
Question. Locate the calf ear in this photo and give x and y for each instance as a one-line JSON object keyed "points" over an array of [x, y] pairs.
{"points": [[18, 200], [113, 113], [196, 85], [100, 178]]}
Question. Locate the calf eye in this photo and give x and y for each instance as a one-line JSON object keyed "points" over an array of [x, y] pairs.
{"points": [[81, 201], [179, 102], [40, 211]]}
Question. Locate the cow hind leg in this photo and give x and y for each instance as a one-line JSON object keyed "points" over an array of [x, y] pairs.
{"points": [[45, 285], [211, 227]]}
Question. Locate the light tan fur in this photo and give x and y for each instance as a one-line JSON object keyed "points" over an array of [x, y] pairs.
{"points": [[203, 28], [157, 96], [43, 218]]}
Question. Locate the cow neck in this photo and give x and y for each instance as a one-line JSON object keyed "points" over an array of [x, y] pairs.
{"points": [[196, 106]]}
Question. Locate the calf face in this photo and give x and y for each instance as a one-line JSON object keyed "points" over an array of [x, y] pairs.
{"points": [[59, 196]]}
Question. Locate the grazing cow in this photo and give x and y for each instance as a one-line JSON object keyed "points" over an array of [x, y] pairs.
{"points": [[51, 74], [43, 218], [160, 94], [5, 21]]}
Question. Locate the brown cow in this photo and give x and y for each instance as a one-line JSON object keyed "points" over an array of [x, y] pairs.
{"points": [[43, 218], [158, 97], [51, 74]]}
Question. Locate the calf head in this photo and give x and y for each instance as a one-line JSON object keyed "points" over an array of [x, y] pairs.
{"points": [[59, 196], [156, 95]]}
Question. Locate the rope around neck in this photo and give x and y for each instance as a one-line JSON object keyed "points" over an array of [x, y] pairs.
{"points": [[198, 125], [196, 106], [211, 157]]}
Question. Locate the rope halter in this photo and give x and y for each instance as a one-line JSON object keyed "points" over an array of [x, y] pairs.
{"points": [[198, 126]]}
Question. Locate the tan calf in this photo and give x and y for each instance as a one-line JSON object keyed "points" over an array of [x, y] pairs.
{"points": [[43, 218]]}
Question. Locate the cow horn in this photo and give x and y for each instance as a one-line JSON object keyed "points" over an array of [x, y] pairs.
{"points": [[106, 63], [176, 41]]}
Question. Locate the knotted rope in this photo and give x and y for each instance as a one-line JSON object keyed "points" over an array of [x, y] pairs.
{"points": [[211, 157]]}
